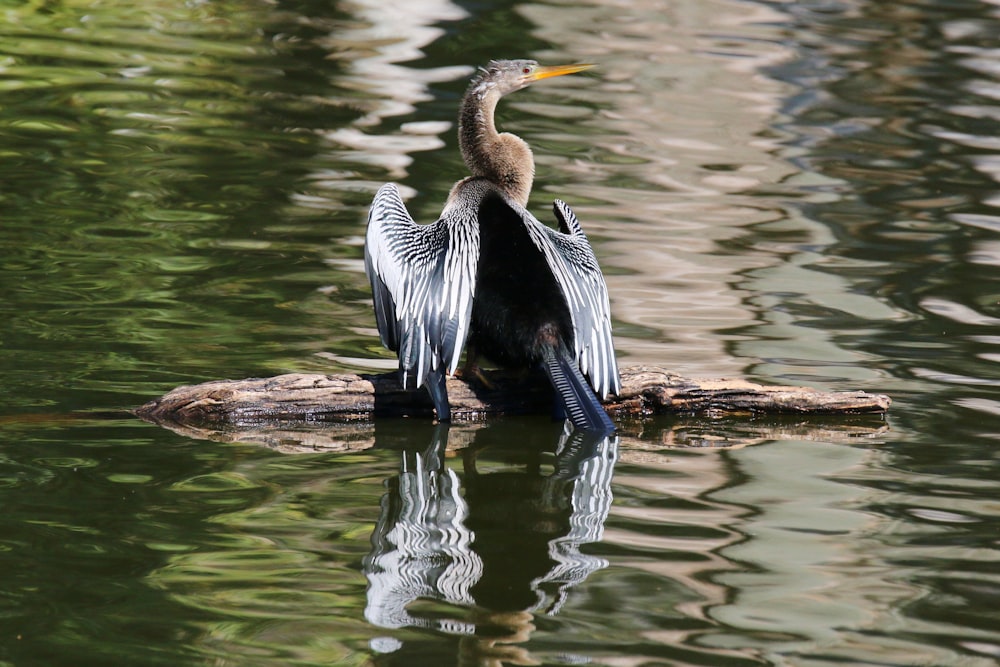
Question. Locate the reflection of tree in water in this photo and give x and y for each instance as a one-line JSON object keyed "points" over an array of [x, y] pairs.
{"points": [[508, 547]]}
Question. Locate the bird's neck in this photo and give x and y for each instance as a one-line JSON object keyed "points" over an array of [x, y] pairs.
{"points": [[502, 158]]}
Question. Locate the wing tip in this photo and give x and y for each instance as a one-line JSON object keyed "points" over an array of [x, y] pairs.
{"points": [[568, 222]]}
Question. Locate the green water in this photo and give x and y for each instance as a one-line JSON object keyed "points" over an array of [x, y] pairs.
{"points": [[787, 192]]}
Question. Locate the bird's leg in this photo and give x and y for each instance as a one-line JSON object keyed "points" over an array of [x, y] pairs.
{"points": [[471, 369], [438, 389]]}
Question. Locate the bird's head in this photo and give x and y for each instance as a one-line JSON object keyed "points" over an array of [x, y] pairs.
{"points": [[507, 76]]}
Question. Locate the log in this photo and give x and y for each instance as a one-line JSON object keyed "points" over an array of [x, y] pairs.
{"points": [[316, 398]]}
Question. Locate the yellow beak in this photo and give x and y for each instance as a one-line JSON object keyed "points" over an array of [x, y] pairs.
{"points": [[557, 70]]}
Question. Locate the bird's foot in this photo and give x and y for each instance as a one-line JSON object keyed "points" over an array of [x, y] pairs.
{"points": [[472, 371]]}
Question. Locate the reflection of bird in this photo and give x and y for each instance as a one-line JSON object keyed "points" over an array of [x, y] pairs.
{"points": [[521, 293], [420, 545], [497, 541]]}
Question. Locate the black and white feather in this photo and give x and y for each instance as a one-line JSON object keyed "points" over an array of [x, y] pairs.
{"points": [[575, 268], [424, 282]]}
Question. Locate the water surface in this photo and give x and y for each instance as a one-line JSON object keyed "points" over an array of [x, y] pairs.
{"points": [[788, 192]]}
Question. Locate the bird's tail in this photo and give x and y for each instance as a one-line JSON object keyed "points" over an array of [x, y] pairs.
{"points": [[574, 394]]}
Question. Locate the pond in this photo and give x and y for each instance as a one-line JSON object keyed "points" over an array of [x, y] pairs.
{"points": [[791, 193]]}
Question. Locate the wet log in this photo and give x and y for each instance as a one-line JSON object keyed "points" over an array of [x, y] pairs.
{"points": [[646, 390]]}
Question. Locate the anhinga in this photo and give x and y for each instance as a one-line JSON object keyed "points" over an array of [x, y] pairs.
{"points": [[489, 273]]}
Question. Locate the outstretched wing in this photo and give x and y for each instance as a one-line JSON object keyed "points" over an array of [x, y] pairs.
{"points": [[579, 276], [423, 279]]}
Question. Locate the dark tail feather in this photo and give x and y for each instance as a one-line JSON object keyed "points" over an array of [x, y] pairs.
{"points": [[437, 388], [575, 395]]}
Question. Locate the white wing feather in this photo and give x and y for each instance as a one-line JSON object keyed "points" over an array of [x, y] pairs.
{"points": [[423, 279]]}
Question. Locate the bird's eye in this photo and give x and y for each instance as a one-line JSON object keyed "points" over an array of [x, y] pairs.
{"points": [[526, 70]]}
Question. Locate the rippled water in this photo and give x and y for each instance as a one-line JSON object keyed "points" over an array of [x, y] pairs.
{"points": [[789, 192]]}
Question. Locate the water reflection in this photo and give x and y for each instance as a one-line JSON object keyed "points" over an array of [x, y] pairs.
{"points": [[421, 546], [897, 122], [373, 50], [500, 545]]}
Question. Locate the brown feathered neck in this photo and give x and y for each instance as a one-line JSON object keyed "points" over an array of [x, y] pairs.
{"points": [[502, 158]]}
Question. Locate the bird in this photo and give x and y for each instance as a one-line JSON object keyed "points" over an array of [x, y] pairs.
{"points": [[488, 276]]}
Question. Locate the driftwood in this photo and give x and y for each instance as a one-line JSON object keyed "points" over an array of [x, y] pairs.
{"points": [[310, 412], [345, 398]]}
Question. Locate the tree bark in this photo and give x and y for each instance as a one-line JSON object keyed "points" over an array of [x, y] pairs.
{"points": [[646, 390]]}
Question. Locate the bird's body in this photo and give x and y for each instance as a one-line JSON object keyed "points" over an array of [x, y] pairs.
{"points": [[489, 273]]}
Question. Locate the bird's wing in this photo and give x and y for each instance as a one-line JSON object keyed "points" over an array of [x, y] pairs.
{"points": [[423, 279], [579, 276]]}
